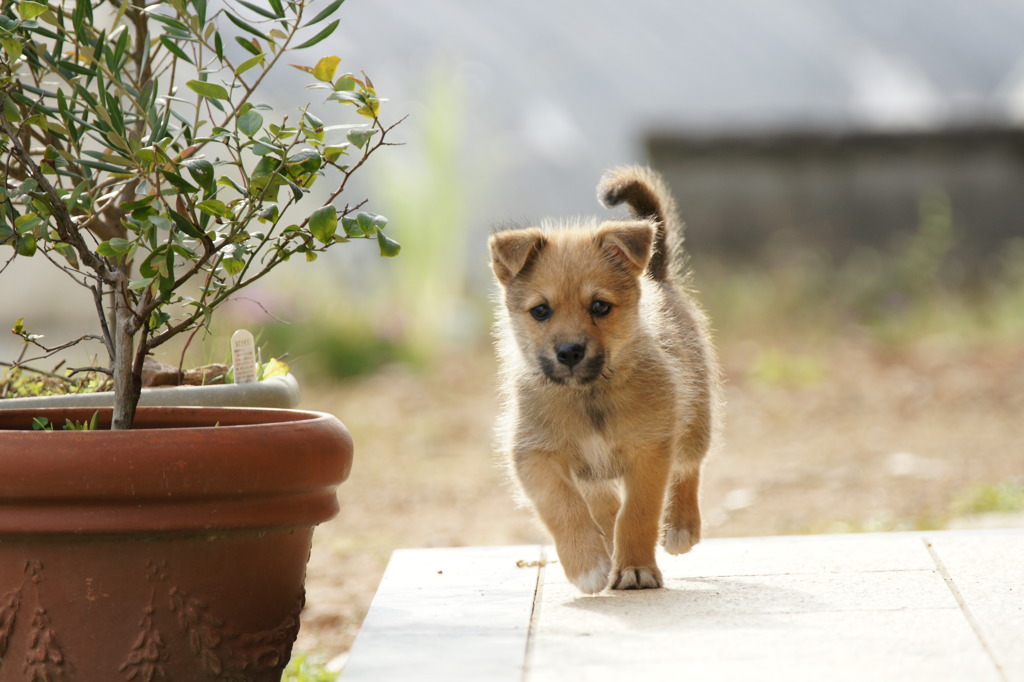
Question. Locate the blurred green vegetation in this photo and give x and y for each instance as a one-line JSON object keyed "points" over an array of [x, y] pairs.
{"points": [[916, 288], [304, 669], [360, 317], [1003, 497], [1006, 497], [788, 304]]}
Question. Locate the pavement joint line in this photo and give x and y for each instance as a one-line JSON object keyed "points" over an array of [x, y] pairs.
{"points": [[951, 584], [538, 596]]}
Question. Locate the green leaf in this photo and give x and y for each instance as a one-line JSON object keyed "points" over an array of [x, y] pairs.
{"points": [[208, 90], [174, 49], [13, 49], [68, 252], [158, 317], [312, 120], [258, 10], [26, 224], [359, 137], [133, 205], [26, 245], [140, 284], [345, 84], [115, 248], [351, 227], [185, 225], [27, 186], [368, 224], [389, 248], [323, 223], [250, 122], [216, 208], [326, 12], [334, 152], [115, 55], [104, 167], [296, 190], [263, 149], [76, 68], [119, 245], [274, 368], [319, 36], [179, 182], [29, 10], [232, 266], [325, 68], [201, 171], [167, 21], [249, 63], [228, 182], [305, 162], [245, 26], [248, 45]]}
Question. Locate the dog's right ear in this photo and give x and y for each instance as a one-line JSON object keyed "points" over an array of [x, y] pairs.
{"points": [[513, 250]]}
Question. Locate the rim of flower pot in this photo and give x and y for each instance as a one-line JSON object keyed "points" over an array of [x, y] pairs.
{"points": [[279, 391], [182, 469]]}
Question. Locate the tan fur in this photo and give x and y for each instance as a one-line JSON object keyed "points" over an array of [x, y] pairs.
{"points": [[608, 415]]}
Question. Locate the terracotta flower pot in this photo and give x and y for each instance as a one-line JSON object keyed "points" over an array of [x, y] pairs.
{"points": [[175, 551]]}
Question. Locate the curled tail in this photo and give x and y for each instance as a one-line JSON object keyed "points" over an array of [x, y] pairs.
{"points": [[644, 191]]}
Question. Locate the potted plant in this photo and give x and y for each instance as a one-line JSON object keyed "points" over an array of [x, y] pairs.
{"points": [[139, 159]]}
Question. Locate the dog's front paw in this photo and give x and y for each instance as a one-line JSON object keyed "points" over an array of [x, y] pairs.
{"points": [[637, 578], [594, 579], [679, 541], [586, 562]]}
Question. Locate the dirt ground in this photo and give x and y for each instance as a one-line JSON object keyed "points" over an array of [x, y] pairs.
{"points": [[835, 436]]}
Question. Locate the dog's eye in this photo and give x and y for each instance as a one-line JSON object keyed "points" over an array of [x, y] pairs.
{"points": [[541, 312], [600, 308]]}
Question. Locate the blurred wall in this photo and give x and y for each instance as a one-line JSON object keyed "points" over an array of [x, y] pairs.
{"points": [[833, 192]]}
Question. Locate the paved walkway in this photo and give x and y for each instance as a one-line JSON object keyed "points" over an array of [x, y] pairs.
{"points": [[900, 606]]}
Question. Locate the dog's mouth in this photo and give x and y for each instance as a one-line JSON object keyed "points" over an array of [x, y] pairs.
{"points": [[583, 372]]}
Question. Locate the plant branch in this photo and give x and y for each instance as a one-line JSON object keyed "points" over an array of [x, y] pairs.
{"points": [[65, 224]]}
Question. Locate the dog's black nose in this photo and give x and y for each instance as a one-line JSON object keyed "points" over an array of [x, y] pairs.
{"points": [[569, 354]]}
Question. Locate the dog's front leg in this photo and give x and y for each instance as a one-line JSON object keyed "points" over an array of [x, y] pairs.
{"points": [[638, 524], [548, 483]]}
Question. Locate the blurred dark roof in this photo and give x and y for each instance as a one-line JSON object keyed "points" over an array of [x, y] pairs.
{"points": [[555, 91]]}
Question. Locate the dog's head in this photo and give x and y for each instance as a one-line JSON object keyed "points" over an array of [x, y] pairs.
{"points": [[572, 294]]}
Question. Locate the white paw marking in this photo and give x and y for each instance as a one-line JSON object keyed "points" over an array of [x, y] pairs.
{"points": [[677, 541], [594, 580]]}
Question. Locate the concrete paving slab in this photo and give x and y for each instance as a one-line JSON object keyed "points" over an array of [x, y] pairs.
{"points": [[904, 606], [449, 615], [985, 571], [804, 646], [804, 554]]}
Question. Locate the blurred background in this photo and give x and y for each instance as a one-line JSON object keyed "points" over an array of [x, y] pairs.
{"points": [[852, 177]]}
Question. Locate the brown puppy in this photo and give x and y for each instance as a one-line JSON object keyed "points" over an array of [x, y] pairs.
{"points": [[610, 384]]}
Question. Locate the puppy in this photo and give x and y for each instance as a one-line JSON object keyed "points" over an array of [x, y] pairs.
{"points": [[610, 383]]}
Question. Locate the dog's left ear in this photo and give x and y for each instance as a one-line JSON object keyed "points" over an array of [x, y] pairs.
{"points": [[627, 243]]}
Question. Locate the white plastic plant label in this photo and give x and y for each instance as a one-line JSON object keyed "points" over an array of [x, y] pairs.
{"points": [[243, 356]]}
